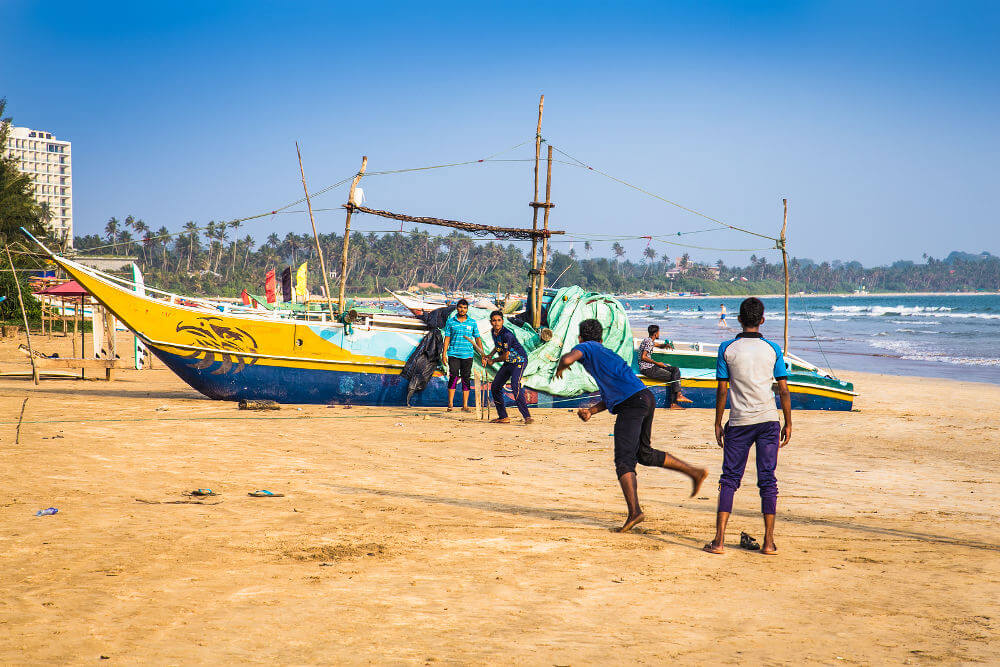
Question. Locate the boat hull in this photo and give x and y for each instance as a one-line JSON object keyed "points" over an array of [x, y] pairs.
{"points": [[241, 356], [297, 383]]}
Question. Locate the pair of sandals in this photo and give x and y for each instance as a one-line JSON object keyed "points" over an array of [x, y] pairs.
{"points": [[746, 542]]}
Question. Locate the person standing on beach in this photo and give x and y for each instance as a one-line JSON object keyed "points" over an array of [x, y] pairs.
{"points": [[748, 365], [657, 370], [514, 359], [722, 316], [633, 405], [457, 355]]}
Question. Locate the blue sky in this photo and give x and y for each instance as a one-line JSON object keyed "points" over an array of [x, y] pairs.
{"points": [[877, 120]]}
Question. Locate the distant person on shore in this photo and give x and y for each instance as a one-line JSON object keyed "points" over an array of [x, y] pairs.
{"points": [[512, 355], [749, 365], [722, 316], [657, 370], [633, 405], [457, 355]]}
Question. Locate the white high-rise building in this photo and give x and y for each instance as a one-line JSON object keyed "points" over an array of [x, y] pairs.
{"points": [[49, 163]]}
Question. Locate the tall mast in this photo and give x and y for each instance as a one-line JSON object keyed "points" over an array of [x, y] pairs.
{"points": [[534, 294], [784, 260], [312, 220], [347, 232]]}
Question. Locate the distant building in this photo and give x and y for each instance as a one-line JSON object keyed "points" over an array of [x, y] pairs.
{"points": [[48, 161]]}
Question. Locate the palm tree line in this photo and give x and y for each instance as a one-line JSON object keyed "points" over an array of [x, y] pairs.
{"points": [[217, 260]]}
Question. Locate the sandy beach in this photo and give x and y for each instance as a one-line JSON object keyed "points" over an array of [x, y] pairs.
{"points": [[425, 537]]}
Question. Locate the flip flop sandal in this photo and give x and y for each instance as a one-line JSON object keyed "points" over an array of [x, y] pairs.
{"points": [[500, 420], [748, 543], [771, 553], [264, 493], [202, 492]]}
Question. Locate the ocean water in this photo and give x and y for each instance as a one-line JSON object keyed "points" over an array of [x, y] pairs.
{"points": [[955, 337]]}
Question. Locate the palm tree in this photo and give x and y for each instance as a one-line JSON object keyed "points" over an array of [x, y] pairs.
{"points": [[292, 243], [249, 242], [588, 246], [650, 254], [191, 230], [111, 231], [142, 229], [235, 226]]}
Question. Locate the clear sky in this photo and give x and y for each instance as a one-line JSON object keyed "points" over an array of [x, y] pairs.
{"points": [[879, 121]]}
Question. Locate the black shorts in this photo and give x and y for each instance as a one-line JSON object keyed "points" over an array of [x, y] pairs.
{"points": [[460, 368], [633, 433]]}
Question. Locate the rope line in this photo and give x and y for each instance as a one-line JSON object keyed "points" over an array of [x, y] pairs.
{"points": [[583, 165]]}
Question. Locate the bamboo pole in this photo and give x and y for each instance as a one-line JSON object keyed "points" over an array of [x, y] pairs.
{"points": [[24, 316], [312, 221], [533, 294], [545, 239], [347, 233], [784, 260]]}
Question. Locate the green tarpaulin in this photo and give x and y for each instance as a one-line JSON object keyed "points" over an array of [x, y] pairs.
{"points": [[569, 307]]}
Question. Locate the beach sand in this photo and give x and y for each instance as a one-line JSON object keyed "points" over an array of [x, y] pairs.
{"points": [[419, 536]]}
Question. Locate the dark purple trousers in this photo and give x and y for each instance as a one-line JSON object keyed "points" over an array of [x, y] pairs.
{"points": [[737, 441]]}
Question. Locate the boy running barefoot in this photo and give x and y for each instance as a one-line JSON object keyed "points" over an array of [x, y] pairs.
{"points": [[633, 405], [748, 365]]}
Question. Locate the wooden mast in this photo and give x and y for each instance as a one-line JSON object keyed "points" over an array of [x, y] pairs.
{"points": [[533, 292], [347, 233], [312, 220], [545, 240], [784, 260]]}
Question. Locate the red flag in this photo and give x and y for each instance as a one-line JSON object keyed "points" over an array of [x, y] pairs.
{"points": [[270, 287], [245, 297]]}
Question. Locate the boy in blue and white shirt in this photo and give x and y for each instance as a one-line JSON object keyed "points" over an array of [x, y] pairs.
{"points": [[746, 369]]}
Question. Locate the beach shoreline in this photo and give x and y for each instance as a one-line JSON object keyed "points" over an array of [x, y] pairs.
{"points": [[420, 536]]}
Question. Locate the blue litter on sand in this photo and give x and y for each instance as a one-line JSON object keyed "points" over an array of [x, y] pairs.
{"points": [[47, 512]]}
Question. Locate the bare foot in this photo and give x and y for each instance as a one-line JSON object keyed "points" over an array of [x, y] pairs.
{"points": [[681, 398], [713, 548], [697, 480], [769, 549], [450, 408], [466, 409], [675, 407], [529, 420], [631, 522], [500, 420]]}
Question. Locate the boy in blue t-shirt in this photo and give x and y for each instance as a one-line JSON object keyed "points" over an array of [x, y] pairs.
{"points": [[459, 330], [633, 405]]}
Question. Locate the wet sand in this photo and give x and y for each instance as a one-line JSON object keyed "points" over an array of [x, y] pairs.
{"points": [[419, 536]]}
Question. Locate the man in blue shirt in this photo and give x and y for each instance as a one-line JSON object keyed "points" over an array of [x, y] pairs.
{"points": [[746, 369], [511, 354], [458, 331], [633, 405]]}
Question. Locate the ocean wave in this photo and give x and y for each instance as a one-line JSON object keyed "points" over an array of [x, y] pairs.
{"points": [[910, 352], [879, 310]]}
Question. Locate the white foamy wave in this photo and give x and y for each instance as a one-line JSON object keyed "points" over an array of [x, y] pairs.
{"points": [[907, 350], [880, 310]]}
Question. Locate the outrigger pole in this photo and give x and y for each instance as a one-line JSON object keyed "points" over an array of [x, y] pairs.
{"points": [[347, 232], [784, 260], [319, 250], [534, 294]]}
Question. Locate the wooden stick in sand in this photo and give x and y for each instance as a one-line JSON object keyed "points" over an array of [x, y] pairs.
{"points": [[17, 436], [24, 316], [312, 220]]}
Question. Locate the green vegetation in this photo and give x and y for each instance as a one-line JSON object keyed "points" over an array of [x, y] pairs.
{"points": [[218, 261]]}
